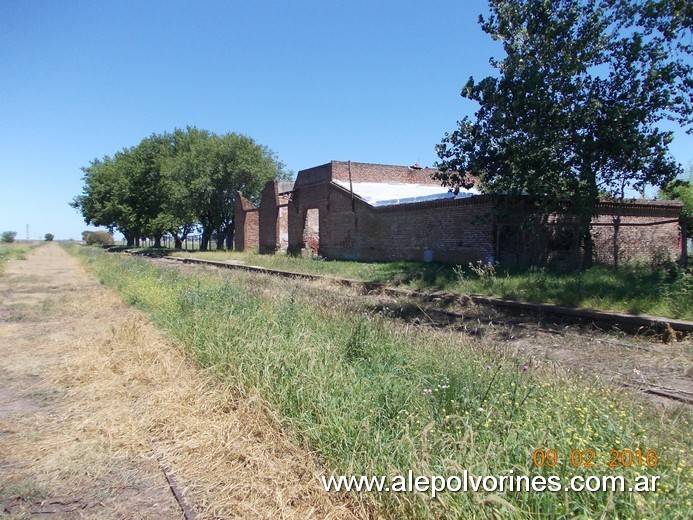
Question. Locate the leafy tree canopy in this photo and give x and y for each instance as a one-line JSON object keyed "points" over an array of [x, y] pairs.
{"points": [[574, 110], [174, 182], [8, 236], [681, 189]]}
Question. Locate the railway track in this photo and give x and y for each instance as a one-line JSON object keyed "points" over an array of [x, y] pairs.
{"points": [[428, 308], [622, 320]]}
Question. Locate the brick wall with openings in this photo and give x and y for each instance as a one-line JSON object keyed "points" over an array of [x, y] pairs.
{"points": [[456, 231], [327, 218]]}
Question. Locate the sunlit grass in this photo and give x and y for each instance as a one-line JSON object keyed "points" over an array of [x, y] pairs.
{"points": [[370, 397], [13, 251], [638, 289]]}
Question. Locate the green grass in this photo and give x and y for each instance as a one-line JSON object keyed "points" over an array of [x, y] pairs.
{"points": [[13, 251], [638, 289], [370, 397]]}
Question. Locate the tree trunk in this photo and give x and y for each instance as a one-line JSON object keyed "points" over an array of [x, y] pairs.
{"points": [[586, 205], [587, 243], [684, 243], [617, 226], [178, 242], [157, 241], [204, 240], [221, 237], [617, 252], [229, 239]]}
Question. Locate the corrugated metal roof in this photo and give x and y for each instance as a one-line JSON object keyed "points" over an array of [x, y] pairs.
{"points": [[387, 194]]}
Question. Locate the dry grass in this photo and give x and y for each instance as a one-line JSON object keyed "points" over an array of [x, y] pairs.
{"points": [[103, 400], [373, 397], [224, 450]]}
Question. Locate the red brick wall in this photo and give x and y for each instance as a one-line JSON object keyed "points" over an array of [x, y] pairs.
{"points": [[316, 175], [245, 223], [311, 191], [365, 172], [458, 231], [647, 232], [268, 216]]}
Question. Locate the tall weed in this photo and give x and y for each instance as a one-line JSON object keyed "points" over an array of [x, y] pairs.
{"points": [[369, 397]]}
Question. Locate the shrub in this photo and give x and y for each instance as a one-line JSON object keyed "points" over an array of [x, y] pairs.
{"points": [[97, 237], [8, 236], [48, 237]]}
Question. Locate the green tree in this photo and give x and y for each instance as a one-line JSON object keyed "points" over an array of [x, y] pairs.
{"points": [[48, 237], [181, 181], [173, 183], [208, 169], [682, 189], [104, 198], [574, 110], [125, 192], [8, 237], [146, 194]]}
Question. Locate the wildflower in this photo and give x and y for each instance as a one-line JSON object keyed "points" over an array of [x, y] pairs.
{"points": [[525, 368], [488, 367], [427, 391]]}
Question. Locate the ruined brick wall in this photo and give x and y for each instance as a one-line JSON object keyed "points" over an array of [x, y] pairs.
{"points": [[459, 231], [365, 172], [311, 191], [456, 231], [335, 215], [283, 224], [246, 227], [648, 231], [316, 175], [268, 216]]}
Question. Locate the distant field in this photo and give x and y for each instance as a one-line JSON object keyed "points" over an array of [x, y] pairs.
{"points": [[639, 289]]}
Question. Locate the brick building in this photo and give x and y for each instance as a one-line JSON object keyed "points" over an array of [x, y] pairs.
{"points": [[364, 211]]}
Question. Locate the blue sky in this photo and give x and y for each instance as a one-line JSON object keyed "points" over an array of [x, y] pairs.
{"points": [[368, 81]]}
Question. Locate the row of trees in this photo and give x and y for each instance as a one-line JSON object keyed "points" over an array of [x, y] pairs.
{"points": [[8, 237], [176, 183], [574, 112]]}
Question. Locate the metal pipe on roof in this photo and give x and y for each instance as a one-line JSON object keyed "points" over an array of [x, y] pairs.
{"points": [[351, 189]]}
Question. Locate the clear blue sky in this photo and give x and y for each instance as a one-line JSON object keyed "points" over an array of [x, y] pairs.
{"points": [[368, 81]]}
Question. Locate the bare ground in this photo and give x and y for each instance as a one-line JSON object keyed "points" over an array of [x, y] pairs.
{"points": [[94, 403]]}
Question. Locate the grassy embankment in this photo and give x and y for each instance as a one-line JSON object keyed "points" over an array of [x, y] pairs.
{"points": [[370, 397], [13, 251], [639, 289]]}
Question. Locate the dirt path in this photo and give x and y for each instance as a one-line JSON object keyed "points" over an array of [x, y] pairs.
{"points": [[94, 402]]}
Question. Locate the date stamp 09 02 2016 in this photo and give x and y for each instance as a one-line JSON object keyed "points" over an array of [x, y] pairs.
{"points": [[587, 458]]}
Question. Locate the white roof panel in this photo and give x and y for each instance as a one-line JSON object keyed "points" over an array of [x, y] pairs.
{"points": [[389, 193]]}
